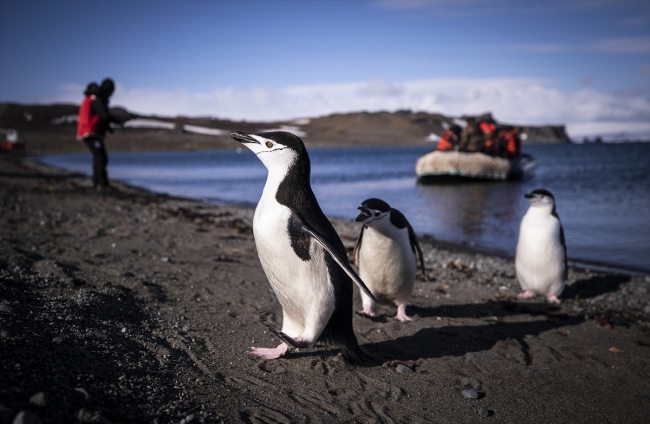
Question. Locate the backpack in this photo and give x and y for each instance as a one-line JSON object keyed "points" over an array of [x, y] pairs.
{"points": [[87, 120]]}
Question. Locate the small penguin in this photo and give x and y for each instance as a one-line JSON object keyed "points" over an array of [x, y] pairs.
{"points": [[386, 257], [301, 253], [540, 258]]}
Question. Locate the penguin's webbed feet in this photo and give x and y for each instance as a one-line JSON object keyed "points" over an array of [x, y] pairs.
{"points": [[297, 342], [401, 314], [526, 295], [269, 353], [366, 312], [553, 299]]}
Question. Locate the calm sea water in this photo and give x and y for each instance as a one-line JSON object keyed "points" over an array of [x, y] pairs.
{"points": [[602, 191]]}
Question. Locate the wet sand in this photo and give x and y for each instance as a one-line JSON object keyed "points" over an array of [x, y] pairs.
{"points": [[125, 306]]}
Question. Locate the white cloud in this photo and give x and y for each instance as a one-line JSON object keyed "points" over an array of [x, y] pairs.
{"points": [[511, 100], [625, 45], [462, 8], [379, 87]]}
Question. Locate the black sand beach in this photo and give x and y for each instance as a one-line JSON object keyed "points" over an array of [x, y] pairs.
{"points": [[125, 306]]}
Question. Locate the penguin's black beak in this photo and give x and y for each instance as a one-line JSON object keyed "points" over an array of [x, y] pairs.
{"points": [[243, 137], [529, 195], [364, 214]]}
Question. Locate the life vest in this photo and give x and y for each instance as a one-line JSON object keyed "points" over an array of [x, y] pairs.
{"points": [[510, 143], [87, 120], [448, 141], [487, 127]]}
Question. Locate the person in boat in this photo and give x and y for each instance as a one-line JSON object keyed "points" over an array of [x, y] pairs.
{"points": [[509, 142], [94, 120], [504, 142], [450, 138], [488, 127], [471, 138]]}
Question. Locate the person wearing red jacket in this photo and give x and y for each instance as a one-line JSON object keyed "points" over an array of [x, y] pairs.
{"points": [[94, 120], [449, 139]]}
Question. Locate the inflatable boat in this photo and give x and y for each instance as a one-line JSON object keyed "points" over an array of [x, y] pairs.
{"points": [[451, 166]]}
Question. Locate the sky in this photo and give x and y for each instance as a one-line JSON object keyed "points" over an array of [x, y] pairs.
{"points": [[580, 63]]}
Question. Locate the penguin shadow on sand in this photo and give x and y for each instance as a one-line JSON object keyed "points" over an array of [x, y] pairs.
{"points": [[587, 288], [458, 340]]}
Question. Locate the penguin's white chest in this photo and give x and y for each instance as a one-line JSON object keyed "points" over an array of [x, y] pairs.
{"points": [[302, 287], [387, 264], [539, 259]]}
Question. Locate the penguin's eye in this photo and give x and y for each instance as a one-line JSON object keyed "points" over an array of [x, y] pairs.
{"points": [[269, 144], [376, 213]]}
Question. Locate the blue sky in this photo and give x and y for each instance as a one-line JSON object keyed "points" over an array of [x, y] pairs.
{"points": [[581, 63]]}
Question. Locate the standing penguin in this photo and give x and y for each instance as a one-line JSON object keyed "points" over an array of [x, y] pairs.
{"points": [[540, 258], [386, 256], [301, 253]]}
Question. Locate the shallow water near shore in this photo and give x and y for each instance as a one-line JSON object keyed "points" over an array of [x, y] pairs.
{"points": [[602, 191]]}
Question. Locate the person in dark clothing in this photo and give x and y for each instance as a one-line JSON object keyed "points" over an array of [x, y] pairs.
{"points": [[94, 120], [472, 138]]}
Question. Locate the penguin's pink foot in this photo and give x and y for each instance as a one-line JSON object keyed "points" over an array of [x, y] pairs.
{"points": [[553, 299], [269, 353], [295, 342], [366, 312], [526, 295], [401, 314]]}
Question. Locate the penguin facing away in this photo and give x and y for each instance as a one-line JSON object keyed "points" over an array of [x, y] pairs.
{"points": [[540, 257], [301, 253], [386, 257]]}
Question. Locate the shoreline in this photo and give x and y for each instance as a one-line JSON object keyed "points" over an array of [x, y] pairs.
{"points": [[129, 306], [461, 246]]}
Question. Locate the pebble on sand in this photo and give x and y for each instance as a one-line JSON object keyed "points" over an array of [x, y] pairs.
{"points": [[83, 392], [26, 417], [99, 334], [38, 399], [403, 369], [469, 394]]}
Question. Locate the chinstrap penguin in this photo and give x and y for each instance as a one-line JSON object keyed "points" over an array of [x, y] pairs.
{"points": [[540, 258], [386, 257], [301, 253]]}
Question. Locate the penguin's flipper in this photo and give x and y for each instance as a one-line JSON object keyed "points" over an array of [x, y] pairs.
{"points": [[563, 241], [415, 245], [358, 246], [398, 219], [338, 258]]}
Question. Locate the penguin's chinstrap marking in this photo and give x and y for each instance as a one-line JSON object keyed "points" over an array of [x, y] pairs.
{"points": [[540, 257], [301, 253], [386, 255]]}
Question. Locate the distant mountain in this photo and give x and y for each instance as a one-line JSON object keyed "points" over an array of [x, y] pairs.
{"points": [[52, 128]]}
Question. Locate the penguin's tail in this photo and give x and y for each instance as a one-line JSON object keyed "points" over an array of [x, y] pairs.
{"points": [[348, 344], [354, 353]]}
